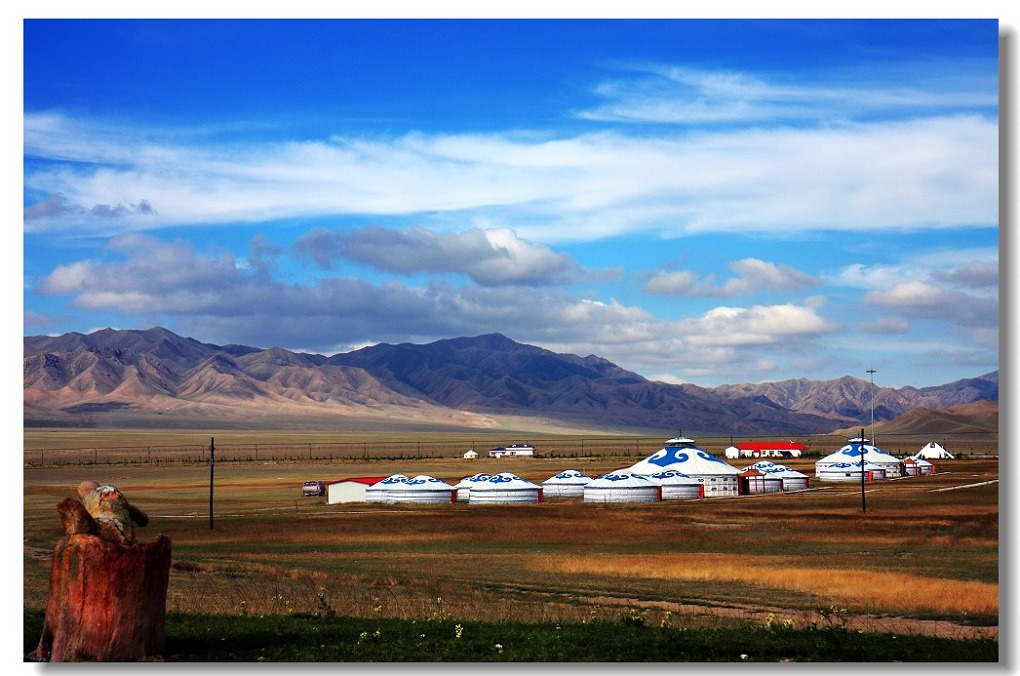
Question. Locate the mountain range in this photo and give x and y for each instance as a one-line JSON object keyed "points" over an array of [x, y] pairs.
{"points": [[157, 378]]}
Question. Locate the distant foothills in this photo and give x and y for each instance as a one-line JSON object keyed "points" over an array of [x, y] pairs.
{"points": [[155, 378]]}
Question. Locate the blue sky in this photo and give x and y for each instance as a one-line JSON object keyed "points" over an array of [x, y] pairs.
{"points": [[697, 201]]}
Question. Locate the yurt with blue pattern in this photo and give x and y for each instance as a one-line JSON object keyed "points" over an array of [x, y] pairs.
{"points": [[569, 483], [463, 486], [852, 453], [623, 486], [683, 455], [380, 492], [780, 477], [422, 489], [676, 485], [504, 488]]}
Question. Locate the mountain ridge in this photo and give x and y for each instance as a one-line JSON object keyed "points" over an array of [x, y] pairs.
{"points": [[112, 377]]}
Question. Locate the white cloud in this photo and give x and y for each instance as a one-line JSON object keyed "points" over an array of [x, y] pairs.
{"points": [[663, 94], [752, 276], [209, 295], [490, 257], [757, 325], [922, 300], [924, 173]]}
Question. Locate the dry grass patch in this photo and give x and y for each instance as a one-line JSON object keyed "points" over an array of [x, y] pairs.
{"points": [[874, 591]]}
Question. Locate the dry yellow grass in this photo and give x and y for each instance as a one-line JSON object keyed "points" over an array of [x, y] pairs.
{"points": [[890, 592]]}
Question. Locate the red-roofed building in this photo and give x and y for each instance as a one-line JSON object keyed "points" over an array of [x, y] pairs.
{"points": [[771, 449]]}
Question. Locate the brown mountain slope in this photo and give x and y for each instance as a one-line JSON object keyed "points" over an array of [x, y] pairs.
{"points": [[106, 377], [89, 385], [979, 417]]}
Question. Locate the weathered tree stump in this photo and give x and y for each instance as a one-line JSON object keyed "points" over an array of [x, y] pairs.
{"points": [[107, 599]]}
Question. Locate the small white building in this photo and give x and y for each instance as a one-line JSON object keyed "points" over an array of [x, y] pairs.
{"points": [[471, 454], [512, 451], [351, 489]]}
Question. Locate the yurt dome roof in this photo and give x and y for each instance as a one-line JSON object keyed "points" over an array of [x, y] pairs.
{"points": [[471, 481], [504, 481], [391, 480], [855, 449], [772, 469], [623, 479], [690, 460], [426, 482], [568, 476]]}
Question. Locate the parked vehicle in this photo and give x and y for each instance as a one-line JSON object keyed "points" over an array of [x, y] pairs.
{"points": [[314, 488]]}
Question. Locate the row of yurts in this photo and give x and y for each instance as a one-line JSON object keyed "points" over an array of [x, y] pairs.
{"points": [[680, 470]]}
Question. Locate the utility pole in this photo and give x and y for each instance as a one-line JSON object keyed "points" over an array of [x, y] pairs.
{"points": [[864, 507], [212, 469], [874, 442]]}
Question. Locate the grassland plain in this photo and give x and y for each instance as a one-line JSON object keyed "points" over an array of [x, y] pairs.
{"points": [[920, 560]]}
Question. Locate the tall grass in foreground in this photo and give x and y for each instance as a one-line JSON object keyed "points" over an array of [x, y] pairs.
{"points": [[326, 637], [863, 589]]}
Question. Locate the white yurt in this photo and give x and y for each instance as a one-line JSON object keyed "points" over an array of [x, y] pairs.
{"points": [[791, 478], [683, 455], [380, 492], [622, 486], [678, 486], [504, 488], [422, 489], [910, 467], [767, 483], [933, 451], [732, 452], [781, 477], [853, 451], [850, 471], [463, 487], [751, 481], [924, 466], [568, 483]]}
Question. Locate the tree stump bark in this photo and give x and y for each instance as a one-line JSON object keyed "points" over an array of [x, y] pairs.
{"points": [[107, 601]]}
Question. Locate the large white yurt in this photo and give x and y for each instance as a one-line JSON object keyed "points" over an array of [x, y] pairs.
{"points": [[622, 486], [380, 492], [504, 488], [463, 486], [678, 486], [422, 489], [853, 451], [569, 483], [933, 451], [683, 455], [850, 471]]}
